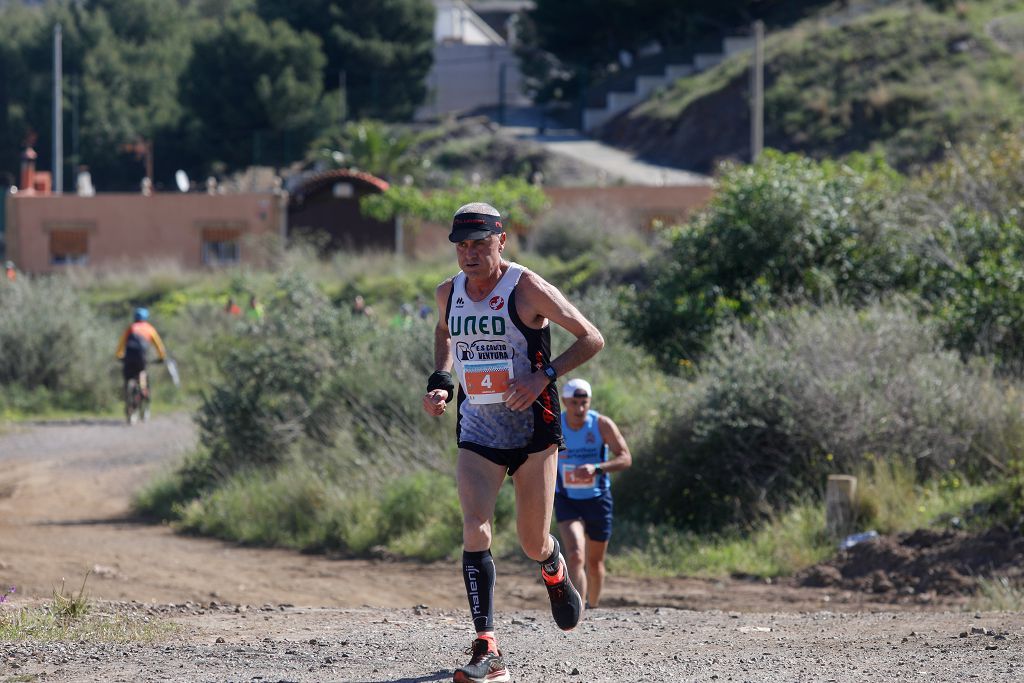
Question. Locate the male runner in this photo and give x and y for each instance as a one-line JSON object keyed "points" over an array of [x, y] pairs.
{"points": [[494, 328]]}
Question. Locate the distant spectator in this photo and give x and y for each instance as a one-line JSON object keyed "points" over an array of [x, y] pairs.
{"points": [[254, 312], [231, 308], [403, 320], [10, 271], [423, 309], [359, 307]]}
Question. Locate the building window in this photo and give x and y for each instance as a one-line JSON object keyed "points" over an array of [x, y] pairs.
{"points": [[69, 247], [220, 246]]}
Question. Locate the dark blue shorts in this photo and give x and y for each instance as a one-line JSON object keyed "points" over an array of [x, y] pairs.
{"points": [[596, 514]]}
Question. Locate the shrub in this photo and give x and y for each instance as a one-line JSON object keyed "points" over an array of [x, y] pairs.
{"points": [[269, 388], [814, 393], [973, 282], [786, 228], [54, 351], [984, 177]]}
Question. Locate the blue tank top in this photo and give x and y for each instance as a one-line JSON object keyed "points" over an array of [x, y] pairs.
{"points": [[581, 447]]}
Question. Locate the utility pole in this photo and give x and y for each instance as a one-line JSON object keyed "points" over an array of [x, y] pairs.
{"points": [[58, 114], [757, 94], [342, 97], [502, 68]]}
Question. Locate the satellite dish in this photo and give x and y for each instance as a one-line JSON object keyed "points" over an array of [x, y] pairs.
{"points": [[181, 179]]}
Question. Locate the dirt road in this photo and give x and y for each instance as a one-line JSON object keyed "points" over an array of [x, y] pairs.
{"points": [[257, 614]]}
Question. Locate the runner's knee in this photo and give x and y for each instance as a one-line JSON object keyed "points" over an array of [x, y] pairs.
{"points": [[476, 534]]}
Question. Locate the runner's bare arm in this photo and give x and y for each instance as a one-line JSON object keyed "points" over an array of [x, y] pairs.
{"points": [[536, 301], [434, 402], [622, 459]]}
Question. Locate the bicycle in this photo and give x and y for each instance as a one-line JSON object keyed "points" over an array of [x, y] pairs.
{"points": [[136, 403]]}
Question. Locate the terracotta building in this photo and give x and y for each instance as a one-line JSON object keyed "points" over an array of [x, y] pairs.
{"points": [[45, 232], [327, 204]]}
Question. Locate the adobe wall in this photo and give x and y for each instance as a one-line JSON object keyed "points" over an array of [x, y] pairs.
{"points": [[133, 228], [640, 204]]}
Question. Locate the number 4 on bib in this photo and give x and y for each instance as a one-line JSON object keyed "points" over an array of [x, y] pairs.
{"points": [[486, 382]]}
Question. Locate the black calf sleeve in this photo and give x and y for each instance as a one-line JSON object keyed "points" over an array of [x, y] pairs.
{"points": [[550, 565], [478, 571]]}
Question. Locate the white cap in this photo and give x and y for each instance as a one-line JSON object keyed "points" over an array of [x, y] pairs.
{"points": [[577, 387]]}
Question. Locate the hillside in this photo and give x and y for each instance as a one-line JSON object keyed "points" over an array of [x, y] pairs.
{"points": [[903, 79]]}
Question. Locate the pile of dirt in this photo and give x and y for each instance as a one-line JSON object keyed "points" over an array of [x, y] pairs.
{"points": [[923, 563]]}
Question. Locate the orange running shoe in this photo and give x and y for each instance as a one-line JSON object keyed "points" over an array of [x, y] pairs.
{"points": [[566, 605], [486, 666]]}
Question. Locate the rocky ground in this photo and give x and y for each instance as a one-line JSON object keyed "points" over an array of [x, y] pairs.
{"points": [[245, 614]]}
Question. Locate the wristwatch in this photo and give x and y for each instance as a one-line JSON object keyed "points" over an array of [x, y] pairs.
{"points": [[549, 372], [598, 470]]}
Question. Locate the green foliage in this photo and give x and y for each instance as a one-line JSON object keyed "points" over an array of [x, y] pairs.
{"points": [[385, 49], [875, 89], [787, 542], [67, 607], [891, 498], [54, 353], [122, 62], [998, 594], [905, 80], [308, 375], [270, 386], [23, 97], [70, 618], [388, 152], [517, 200], [416, 515], [976, 286], [786, 228], [590, 34], [250, 77], [984, 177], [814, 393], [970, 270]]}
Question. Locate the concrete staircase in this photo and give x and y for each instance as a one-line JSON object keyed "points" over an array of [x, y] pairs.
{"points": [[634, 85]]}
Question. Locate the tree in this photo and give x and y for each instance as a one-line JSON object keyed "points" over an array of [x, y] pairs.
{"points": [[388, 152], [519, 202], [385, 49], [569, 44], [251, 85], [133, 55], [121, 64], [22, 89]]}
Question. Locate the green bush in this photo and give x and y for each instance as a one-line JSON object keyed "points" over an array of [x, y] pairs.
{"points": [[54, 351], [784, 229], [813, 393], [269, 390], [973, 282], [984, 177]]}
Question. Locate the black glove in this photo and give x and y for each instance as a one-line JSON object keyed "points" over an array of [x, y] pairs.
{"points": [[442, 380]]}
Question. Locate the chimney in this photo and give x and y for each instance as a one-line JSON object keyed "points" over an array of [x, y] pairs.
{"points": [[28, 170]]}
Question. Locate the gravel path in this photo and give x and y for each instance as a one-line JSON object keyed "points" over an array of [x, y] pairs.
{"points": [[247, 614], [422, 644]]}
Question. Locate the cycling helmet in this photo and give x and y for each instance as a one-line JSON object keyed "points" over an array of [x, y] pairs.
{"points": [[141, 314]]}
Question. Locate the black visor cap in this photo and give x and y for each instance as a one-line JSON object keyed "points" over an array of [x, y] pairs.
{"points": [[474, 226]]}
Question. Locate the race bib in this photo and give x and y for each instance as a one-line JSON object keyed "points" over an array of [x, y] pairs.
{"points": [[487, 381], [573, 478]]}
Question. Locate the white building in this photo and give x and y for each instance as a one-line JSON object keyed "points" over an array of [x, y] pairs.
{"points": [[474, 67]]}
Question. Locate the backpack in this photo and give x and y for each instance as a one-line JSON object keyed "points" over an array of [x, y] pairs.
{"points": [[135, 348]]}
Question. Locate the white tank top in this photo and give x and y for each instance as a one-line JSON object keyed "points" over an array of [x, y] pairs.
{"points": [[490, 346]]}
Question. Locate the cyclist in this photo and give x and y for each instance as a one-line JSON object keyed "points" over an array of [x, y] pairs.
{"points": [[133, 347]]}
